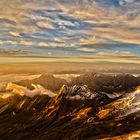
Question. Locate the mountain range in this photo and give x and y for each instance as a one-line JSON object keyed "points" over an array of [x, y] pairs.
{"points": [[76, 112]]}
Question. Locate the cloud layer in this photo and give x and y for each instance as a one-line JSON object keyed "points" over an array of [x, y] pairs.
{"points": [[70, 28]]}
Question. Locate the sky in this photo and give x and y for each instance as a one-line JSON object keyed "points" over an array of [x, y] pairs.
{"points": [[93, 30]]}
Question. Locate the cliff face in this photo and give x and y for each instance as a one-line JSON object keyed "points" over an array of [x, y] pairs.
{"points": [[75, 112]]}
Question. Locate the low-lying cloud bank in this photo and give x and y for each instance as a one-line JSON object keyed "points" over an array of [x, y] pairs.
{"points": [[24, 91]]}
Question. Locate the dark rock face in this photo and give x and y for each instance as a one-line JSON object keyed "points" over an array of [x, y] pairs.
{"points": [[75, 113]]}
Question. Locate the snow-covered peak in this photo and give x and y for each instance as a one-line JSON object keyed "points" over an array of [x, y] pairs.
{"points": [[78, 93]]}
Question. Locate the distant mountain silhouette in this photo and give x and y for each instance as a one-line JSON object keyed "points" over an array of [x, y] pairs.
{"points": [[46, 80], [96, 82], [107, 83]]}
